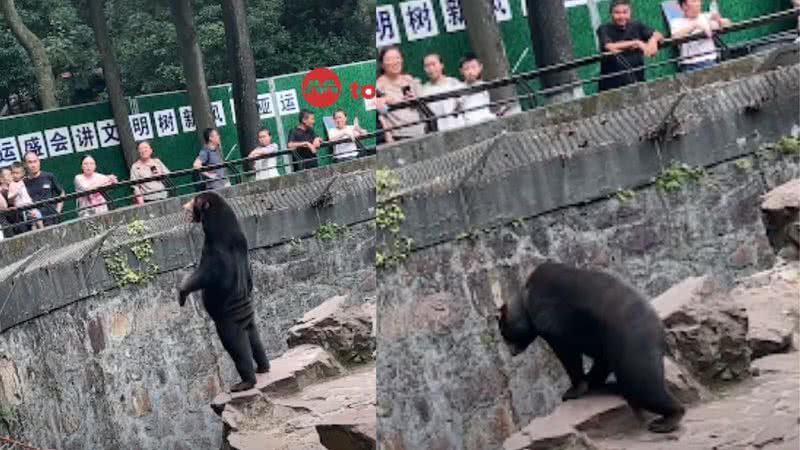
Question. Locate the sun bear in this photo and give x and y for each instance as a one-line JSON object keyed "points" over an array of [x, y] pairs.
{"points": [[586, 312], [226, 282]]}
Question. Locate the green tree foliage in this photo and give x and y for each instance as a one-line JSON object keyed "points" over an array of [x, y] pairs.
{"points": [[287, 36]]}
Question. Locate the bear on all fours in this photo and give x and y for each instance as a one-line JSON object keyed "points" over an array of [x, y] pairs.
{"points": [[586, 312], [226, 282]]}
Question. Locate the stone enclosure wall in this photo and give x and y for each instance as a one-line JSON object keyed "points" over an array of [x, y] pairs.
{"points": [[85, 365], [587, 197]]}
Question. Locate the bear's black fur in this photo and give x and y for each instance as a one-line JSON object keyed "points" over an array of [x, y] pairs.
{"points": [[586, 312], [226, 283]]}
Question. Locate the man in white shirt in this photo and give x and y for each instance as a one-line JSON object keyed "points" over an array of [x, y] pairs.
{"points": [[347, 150], [471, 69], [702, 53], [439, 83]]}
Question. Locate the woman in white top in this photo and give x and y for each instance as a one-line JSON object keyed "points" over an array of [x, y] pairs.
{"points": [[701, 53], [95, 203], [347, 150], [266, 167], [440, 83]]}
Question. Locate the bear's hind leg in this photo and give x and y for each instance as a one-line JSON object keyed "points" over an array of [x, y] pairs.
{"points": [[236, 342], [599, 372], [262, 362], [671, 411], [642, 382], [572, 360]]}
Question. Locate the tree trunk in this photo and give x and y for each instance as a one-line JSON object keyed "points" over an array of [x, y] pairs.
{"points": [[111, 75], [487, 43], [243, 71], [552, 43], [37, 53], [193, 68]]}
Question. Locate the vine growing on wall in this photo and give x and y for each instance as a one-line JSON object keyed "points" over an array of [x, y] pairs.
{"points": [[677, 176], [330, 231], [118, 260], [389, 216]]}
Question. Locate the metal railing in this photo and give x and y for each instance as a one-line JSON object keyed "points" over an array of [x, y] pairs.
{"points": [[521, 80], [199, 182]]}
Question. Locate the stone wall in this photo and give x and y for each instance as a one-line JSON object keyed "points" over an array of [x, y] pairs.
{"points": [[483, 215], [453, 384]]}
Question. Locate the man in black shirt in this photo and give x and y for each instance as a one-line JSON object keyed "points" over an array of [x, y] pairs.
{"points": [[42, 186], [629, 40], [304, 143]]}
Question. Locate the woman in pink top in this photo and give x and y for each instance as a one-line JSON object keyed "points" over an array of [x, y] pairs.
{"points": [[95, 203]]}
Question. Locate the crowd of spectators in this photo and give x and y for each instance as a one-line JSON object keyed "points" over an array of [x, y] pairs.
{"points": [[394, 85], [624, 41], [24, 183]]}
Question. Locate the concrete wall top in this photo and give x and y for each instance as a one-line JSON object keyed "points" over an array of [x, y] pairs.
{"points": [[429, 146], [271, 212]]}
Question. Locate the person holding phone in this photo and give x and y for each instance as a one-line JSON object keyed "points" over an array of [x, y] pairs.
{"points": [[146, 167], [397, 86]]}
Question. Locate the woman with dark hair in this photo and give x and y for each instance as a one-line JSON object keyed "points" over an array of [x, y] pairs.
{"points": [[395, 86], [211, 155]]}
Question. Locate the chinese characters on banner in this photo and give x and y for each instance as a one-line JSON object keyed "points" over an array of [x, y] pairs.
{"points": [[104, 133], [166, 122], [84, 137], [265, 108], [419, 19], [218, 112], [9, 152], [187, 119], [109, 135], [386, 30], [453, 16], [287, 102], [141, 126], [502, 10], [33, 142], [58, 141]]}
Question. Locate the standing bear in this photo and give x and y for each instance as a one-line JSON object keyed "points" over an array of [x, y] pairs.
{"points": [[226, 283]]}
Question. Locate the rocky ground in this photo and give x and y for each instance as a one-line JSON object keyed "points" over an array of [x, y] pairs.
{"points": [[735, 363], [318, 395]]}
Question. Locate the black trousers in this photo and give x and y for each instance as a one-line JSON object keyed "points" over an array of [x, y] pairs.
{"points": [[240, 339]]}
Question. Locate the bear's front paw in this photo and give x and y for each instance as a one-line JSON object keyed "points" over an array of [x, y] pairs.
{"points": [[575, 391], [182, 298]]}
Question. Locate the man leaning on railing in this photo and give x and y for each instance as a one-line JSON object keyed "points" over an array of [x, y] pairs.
{"points": [[629, 40]]}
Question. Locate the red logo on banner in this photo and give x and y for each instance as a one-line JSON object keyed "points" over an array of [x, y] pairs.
{"points": [[321, 87]]}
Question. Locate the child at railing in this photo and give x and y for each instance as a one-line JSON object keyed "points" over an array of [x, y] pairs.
{"points": [[18, 196]]}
